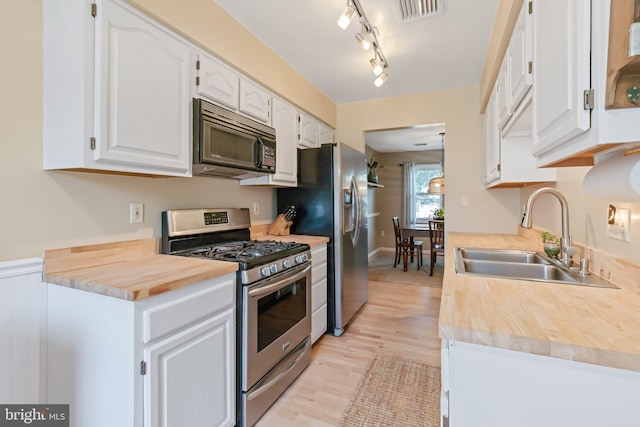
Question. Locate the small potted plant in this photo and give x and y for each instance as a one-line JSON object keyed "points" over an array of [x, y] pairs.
{"points": [[551, 244], [372, 174], [438, 213]]}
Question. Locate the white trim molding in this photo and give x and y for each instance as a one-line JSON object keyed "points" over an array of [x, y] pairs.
{"points": [[22, 331]]}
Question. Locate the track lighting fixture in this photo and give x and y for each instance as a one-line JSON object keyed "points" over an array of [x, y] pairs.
{"points": [[368, 37], [347, 16]]}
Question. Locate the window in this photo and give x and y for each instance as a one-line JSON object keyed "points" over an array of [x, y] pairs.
{"points": [[426, 203]]}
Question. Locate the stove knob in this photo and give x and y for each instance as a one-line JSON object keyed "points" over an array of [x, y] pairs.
{"points": [[273, 268], [265, 271], [286, 263], [299, 259]]}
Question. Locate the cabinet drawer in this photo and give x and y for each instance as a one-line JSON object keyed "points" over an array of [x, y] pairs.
{"points": [[318, 294], [318, 323], [173, 314], [319, 254], [318, 272]]}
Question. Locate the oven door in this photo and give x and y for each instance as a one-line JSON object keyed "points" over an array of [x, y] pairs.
{"points": [[276, 318]]}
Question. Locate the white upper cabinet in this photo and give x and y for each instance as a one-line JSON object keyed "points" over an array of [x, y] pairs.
{"points": [[255, 101], [326, 134], [520, 53], [562, 68], [567, 133], [285, 122], [508, 120], [217, 82], [491, 142], [116, 91], [503, 93], [309, 132]]}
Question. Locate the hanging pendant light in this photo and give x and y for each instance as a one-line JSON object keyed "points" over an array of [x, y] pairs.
{"points": [[436, 185]]}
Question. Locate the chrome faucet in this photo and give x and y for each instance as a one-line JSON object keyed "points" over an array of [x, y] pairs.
{"points": [[566, 247]]}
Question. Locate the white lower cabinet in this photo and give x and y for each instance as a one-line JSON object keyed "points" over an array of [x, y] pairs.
{"points": [[490, 387], [164, 361], [318, 291]]}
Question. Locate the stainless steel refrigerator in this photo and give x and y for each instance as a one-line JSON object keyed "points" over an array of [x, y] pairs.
{"points": [[331, 201]]}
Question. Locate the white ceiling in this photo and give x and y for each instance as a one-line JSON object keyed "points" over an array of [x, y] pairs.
{"points": [[440, 52], [415, 138]]}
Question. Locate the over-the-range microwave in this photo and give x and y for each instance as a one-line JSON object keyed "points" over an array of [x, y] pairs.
{"points": [[229, 145]]}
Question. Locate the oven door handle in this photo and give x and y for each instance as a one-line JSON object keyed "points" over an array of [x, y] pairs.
{"points": [[266, 383], [262, 290]]}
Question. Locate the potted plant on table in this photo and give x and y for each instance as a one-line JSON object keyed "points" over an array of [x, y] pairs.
{"points": [[438, 213], [551, 244]]}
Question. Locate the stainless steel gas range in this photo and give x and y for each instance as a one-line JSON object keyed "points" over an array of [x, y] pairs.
{"points": [[273, 298]]}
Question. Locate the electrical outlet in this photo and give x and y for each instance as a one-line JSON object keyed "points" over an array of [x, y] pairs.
{"points": [[256, 208], [382, 232], [136, 213], [619, 229]]}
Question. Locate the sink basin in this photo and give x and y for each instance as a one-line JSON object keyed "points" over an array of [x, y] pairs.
{"points": [[521, 265], [505, 255], [515, 270]]}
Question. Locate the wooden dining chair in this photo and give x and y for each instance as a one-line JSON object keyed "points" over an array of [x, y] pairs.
{"points": [[404, 246], [436, 239]]}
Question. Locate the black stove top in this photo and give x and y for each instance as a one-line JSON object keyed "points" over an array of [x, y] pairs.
{"points": [[248, 253]]}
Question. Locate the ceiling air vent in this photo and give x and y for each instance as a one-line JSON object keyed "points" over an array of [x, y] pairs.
{"points": [[410, 10]]}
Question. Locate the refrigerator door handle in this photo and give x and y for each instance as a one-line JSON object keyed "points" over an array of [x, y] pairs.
{"points": [[357, 214]]}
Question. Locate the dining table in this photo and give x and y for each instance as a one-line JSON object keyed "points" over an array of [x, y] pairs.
{"points": [[411, 231]]}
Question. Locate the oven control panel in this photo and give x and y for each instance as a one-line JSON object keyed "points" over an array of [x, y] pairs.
{"points": [[214, 218]]}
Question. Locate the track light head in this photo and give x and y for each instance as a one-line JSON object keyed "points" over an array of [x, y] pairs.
{"points": [[379, 81], [364, 41], [376, 67], [346, 17]]}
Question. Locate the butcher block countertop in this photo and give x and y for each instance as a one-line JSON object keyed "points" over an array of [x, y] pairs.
{"points": [[587, 324], [309, 240], [131, 270]]}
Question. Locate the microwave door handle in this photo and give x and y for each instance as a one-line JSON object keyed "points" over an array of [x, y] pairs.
{"points": [[259, 147]]}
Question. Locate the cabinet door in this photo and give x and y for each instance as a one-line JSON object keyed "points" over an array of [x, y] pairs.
{"points": [[255, 101], [561, 66], [326, 134], [309, 132], [503, 92], [491, 142], [285, 121], [143, 95], [521, 55], [190, 379], [217, 82]]}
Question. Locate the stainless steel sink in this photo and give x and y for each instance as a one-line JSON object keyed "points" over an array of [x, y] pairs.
{"points": [[521, 265], [505, 255]]}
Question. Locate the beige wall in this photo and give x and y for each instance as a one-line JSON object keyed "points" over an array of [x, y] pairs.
{"points": [[492, 211], [43, 209]]}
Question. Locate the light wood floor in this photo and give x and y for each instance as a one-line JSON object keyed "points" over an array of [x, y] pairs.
{"points": [[399, 320]]}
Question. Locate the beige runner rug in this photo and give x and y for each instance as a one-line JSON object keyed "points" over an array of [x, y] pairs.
{"points": [[395, 392]]}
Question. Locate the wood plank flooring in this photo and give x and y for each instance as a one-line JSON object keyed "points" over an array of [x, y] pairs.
{"points": [[398, 320]]}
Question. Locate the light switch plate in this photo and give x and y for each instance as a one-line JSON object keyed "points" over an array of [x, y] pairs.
{"points": [[620, 229]]}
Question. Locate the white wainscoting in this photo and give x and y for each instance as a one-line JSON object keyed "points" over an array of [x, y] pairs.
{"points": [[22, 316]]}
